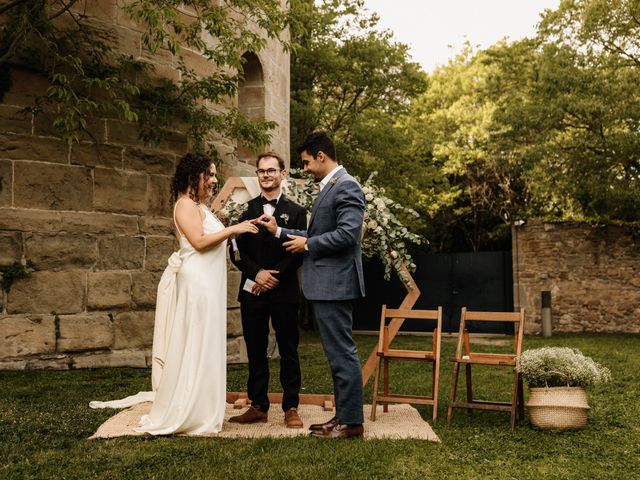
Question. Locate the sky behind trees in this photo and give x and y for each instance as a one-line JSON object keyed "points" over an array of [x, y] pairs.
{"points": [[430, 26]]}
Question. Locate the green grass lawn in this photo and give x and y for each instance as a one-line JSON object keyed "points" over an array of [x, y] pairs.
{"points": [[45, 420]]}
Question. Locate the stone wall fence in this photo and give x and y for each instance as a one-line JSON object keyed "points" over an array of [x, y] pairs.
{"points": [[593, 274]]}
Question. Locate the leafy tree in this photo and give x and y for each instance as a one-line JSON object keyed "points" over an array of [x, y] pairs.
{"points": [[349, 79], [90, 78]]}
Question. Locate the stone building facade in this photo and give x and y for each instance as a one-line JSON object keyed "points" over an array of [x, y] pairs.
{"points": [[95, 218], [593, 274]]}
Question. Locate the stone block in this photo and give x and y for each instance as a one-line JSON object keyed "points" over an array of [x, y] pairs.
{"points": [[201, 65], [13, 365], [27, 147], [32, 335], [123, 133], [29, 220], [25, 86], [233, 287], [156, 225], [61, 251], [234, 323], [52, 187], [117, 358], [12, 120], [85, 332], [236, 350], [159, 196], [48, 292], [134, 330], [108, 290], [101, 223], [102, 10], [121, 253], [149, 161], [117, 191], [6, 183], [43, 124], [124, 19], [144, 288], [175, 142], [49, 362], [96, 155], [10, 248], [158, 251]]}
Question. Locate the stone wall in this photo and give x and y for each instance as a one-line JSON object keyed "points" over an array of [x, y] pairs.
{"points": [[95, 219], [593, 274]]}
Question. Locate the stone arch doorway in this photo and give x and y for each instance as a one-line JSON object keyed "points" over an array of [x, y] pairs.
{"points": [[251, 99]]}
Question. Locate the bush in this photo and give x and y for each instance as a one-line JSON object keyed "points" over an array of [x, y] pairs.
{"points": [[560, 367]]}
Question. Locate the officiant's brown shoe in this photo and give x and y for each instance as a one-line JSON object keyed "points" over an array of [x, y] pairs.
{"points": [[292, 419], [318, 427], [252, 415], [340, 431]]}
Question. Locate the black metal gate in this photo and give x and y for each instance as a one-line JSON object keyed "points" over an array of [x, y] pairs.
{"points": [[478, 281]]}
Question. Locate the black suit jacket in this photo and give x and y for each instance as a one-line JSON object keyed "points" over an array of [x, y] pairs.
{"points": [[264, 251]]}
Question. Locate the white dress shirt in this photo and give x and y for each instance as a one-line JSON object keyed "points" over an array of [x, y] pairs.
{"points": [[325, 180], [267, 208]]}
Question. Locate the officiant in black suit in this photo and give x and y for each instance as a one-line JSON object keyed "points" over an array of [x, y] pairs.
{"points": [[275, 294]]}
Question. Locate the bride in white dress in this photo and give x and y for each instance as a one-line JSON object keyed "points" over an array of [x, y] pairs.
{"points": [[189, 346]]}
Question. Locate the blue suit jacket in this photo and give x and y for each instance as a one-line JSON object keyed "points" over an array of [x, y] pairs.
{"points": [[332, 268]]}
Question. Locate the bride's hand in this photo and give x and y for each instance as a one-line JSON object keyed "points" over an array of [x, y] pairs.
{"points": [[244, 227]]}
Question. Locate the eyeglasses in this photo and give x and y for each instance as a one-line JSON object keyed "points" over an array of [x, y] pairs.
{"points": [[269, 172]]}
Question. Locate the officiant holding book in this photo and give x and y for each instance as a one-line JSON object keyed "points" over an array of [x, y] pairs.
{"points": [[269, 289]]}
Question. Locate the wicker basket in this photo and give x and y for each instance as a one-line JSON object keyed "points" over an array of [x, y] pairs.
{"points": [[558, 408]]}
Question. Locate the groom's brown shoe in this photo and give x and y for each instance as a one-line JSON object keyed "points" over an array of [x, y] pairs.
{"points": [[318, 427], [252, 415], [340, 431], [292, 419]]}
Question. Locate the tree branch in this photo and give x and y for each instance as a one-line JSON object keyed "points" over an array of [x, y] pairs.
{"points": [[8, 6], [65, 9]]}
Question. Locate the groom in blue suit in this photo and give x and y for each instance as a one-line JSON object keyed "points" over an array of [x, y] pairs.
{"points": [[332, 276]]}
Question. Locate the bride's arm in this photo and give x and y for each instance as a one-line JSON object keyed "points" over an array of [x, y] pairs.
{"points": [[190, 223]]}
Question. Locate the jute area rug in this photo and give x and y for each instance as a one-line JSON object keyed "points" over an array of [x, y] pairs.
{"points": [[401, 421]]}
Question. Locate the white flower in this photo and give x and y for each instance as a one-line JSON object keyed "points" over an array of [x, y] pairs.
{"points": [[368, 197], [394, 254], [372, 224]]}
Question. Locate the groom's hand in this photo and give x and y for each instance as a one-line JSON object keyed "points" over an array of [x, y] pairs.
{"points": [[267, 222], [296, 244]]}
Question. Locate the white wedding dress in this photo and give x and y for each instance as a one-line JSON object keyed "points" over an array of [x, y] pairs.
{"points": [[189, 344]]}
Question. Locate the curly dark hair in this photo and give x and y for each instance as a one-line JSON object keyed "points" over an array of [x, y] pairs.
{"points": [[188, 175]]}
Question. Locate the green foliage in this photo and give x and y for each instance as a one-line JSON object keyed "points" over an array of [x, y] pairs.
{"points": [[351, 80], [17, 270], [543, 127], [90, 79], [560, 367]]}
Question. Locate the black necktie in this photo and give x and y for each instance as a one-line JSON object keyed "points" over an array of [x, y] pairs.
{"points": [[264, 201]]}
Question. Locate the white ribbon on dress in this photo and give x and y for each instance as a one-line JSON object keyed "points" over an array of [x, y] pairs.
{"points": [[165, 313]]}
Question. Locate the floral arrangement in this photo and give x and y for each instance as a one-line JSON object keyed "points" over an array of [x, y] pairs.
{"points": [[384, 236], [231, 212], [560, 367]]}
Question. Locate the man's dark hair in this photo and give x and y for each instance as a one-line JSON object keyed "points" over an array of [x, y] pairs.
{"points": [[188, 175], [270, 154], [318, 142]]}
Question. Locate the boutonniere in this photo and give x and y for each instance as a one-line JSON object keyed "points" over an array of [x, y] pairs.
{"points": [[333, 181], [284, 217]]}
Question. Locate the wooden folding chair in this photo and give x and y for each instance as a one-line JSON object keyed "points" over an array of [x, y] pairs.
{"points": [[386, 354], [465, 356]]}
